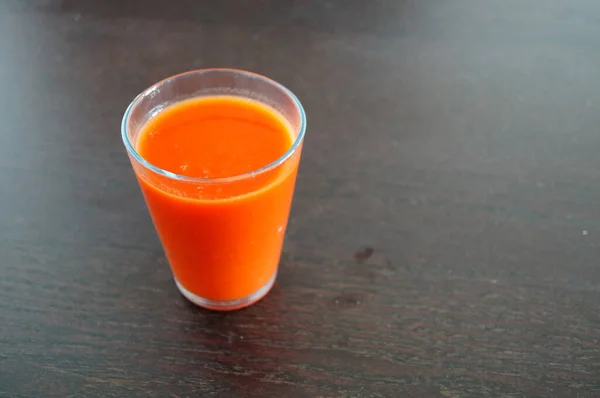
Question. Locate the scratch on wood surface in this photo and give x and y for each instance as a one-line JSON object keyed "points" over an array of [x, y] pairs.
{"points": [[118, 383], [447, 393]]}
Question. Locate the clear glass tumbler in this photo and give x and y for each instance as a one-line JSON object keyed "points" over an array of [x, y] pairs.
{"points": [[234, 265]]}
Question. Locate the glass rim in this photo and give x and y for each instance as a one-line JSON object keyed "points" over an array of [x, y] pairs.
{"points": [[279, 161]]}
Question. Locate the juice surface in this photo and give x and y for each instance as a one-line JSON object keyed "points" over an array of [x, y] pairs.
{"points": [[223, 241], [214, 137]]}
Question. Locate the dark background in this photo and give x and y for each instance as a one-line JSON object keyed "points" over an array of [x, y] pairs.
{"points": [[444, 239]]}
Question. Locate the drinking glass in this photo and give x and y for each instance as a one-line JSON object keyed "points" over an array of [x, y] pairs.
{"points": [[234, 265]]}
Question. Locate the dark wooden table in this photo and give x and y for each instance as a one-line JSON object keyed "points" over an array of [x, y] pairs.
{"points": [[444, 239]]}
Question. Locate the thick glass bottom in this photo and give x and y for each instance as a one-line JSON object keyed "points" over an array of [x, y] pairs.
{"points": [[227, 305]]}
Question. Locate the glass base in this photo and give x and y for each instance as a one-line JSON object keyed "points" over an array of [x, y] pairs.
{"points": [[227, 305]]}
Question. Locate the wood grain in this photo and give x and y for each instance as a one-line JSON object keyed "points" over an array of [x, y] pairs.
{"points": [[444, 239]]}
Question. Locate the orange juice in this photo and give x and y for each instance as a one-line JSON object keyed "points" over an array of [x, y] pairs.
{"points": [[222, 235]]}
